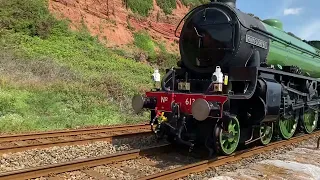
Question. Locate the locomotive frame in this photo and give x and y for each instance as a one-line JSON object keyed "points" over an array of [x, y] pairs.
{"points": [[229, 95]]}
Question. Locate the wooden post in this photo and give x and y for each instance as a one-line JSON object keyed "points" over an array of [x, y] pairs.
{"points": [[318, 144]]}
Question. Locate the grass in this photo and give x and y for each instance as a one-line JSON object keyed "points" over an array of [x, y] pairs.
{"points": [[194, 3], [143, 41], [65, 82], [167, 5], [29, 17], [142, 7], [156, 51], [52, 78], [35, 109]]}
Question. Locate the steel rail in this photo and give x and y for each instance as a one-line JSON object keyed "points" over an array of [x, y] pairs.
{"points": [[109, 138], [222, 160], [29, 136], [81, 164], [114, 133]]}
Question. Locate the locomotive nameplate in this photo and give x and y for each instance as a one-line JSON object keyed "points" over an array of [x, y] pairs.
{"points": [[257, 42]]}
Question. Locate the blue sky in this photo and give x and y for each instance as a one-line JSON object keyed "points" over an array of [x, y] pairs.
{"points": [[301, 17]]}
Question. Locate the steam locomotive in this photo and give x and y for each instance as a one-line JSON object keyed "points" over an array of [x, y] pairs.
{"points": [[240, 80]]}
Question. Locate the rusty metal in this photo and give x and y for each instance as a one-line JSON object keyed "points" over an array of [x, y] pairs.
{"points": [[204, 165], [80, 164], [65, 137], [171, 174], [318, 144], [29, 136]]}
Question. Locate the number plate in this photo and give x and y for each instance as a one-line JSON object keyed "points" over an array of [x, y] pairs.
{"points": [[189, 101], [165, 100]]}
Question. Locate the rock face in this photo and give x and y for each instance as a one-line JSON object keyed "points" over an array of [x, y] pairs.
{"points": [[114, 24]]}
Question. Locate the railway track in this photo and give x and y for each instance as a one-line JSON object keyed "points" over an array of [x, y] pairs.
{"points": [[83, 164], [183, 171], [222, 160], [22, 142]]}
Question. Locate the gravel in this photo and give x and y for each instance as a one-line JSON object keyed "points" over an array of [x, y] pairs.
{"points": [[131, 169], [73, 175], [41, 157], [137, 168], [247, 163]]}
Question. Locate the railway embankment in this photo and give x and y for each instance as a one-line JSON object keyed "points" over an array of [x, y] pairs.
{"points": [[70, 64]]}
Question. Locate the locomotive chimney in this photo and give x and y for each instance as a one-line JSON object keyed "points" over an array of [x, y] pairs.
{"points": [[231, 3]]}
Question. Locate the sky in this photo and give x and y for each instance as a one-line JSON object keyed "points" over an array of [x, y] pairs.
{"points": [[301, 17]]}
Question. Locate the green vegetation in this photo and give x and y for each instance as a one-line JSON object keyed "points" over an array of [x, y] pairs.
{"points": [[194, 3], [166, 59], [143, 41], [30, 18], [141, 7], [167, 5], [162, 58], [52, 78]]}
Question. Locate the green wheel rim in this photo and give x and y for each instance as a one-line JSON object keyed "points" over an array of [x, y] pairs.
{"points": [[287, 127], [266, 132], [230, 136], [310, 121]]}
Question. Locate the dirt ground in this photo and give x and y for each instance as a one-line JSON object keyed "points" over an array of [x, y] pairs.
{"points": [[114, 24]]}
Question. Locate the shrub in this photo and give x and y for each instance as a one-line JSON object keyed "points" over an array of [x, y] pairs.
{"points": [[194, 3], [141, 7], [167, 5], [29, 17], [143, 41], [166, 59], [163, 58]]}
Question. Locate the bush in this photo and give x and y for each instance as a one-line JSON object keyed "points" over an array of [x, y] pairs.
{"points": [[167, 5], [29, 17], [141, 7], [143, 41], [163, 58], [194, 3]]}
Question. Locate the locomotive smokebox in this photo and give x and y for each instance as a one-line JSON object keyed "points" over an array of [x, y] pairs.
{"points": [[231, 3]]}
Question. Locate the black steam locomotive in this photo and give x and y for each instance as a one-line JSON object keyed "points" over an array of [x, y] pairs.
{"points": [[240, 80]]}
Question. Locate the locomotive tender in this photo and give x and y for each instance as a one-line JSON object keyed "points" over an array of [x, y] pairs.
{"points": [[240, 80]]}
